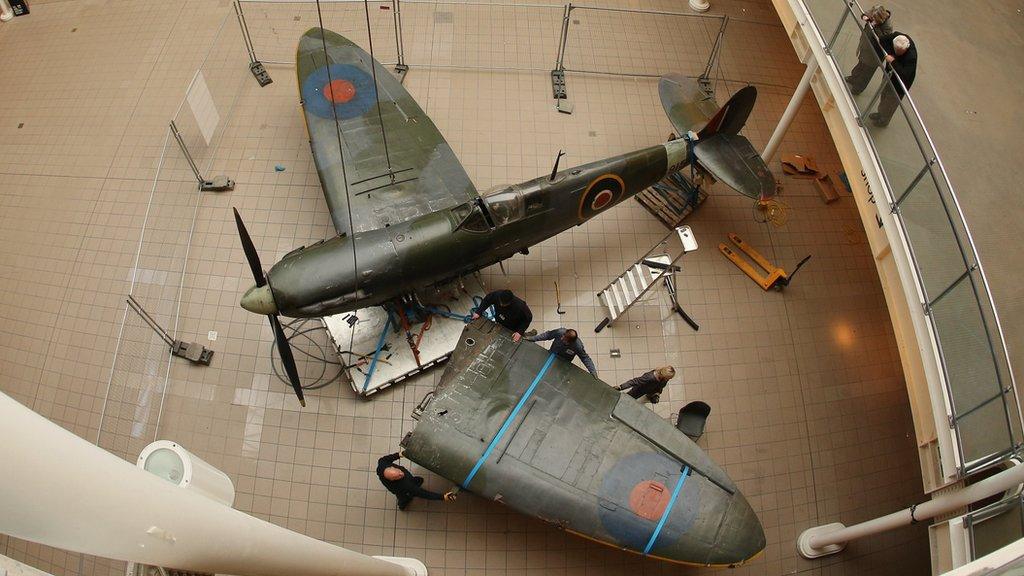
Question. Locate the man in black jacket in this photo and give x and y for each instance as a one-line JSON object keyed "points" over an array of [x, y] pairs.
{"points": [[901, 57], [403, 484], [649, 384], [509, 311]]}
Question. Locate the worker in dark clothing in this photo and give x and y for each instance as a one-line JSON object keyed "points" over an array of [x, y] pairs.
{"points": [[403, 484], [649, 384], [509, 311], [879, 23], [901, 57], [566, 345]]}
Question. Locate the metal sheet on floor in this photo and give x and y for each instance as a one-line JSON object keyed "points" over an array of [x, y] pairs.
{"points": [[356, 344]]}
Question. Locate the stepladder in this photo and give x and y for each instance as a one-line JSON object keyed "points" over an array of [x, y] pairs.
{"points": [[657, 266]]}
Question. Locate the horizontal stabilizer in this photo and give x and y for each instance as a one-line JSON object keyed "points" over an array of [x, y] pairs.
{"points": [[732, 159], [719, 148], [687, 105]]}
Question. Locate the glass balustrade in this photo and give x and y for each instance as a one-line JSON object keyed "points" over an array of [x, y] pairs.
{"points": [[960, 313]]}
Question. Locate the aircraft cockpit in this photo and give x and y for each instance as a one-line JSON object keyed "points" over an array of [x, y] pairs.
{"points": [[500, 206]]}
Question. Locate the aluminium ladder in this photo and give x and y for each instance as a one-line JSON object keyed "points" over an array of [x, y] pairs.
{"points": [[631, 286]]}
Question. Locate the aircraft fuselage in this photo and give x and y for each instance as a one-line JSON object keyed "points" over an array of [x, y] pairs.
{"points": [[330, 277]]}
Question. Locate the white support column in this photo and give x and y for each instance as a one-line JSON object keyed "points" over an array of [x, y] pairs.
{"points": [[6, 12], [791, 110], [59, 490], [831, 538]]}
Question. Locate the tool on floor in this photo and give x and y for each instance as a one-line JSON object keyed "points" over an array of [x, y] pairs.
{"points": [[776, 278], [630, 287], [191, 351], [558, 298]]}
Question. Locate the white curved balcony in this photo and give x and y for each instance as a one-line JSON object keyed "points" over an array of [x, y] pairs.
{"points": [[966, 410]]}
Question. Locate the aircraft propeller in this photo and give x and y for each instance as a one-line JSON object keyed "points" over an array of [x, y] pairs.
{"points": [[283, 349]]}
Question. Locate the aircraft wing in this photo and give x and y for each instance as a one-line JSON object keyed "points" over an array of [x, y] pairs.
{"points": [[340, 106], [512, 423]]}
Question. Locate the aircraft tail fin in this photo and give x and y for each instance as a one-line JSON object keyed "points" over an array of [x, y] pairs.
{"points": [[730, 118]]}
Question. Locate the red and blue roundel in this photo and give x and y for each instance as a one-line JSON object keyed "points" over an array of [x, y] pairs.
{"points": [[603, 192], [341, 89], [637, 491]]}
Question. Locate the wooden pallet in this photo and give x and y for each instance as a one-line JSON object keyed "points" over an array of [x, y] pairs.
{"points": [[672, 199]]}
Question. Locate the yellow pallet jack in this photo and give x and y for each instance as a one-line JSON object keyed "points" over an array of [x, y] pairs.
{"points": [[776, 278]]}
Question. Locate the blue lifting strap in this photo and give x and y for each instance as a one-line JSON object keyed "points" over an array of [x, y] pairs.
{"points": [[508, 421], [668, 509]]}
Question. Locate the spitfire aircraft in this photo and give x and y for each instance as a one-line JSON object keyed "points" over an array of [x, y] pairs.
{"points": [[407, 215], [513, 423]]}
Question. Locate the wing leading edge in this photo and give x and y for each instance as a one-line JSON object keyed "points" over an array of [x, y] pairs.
{"points": [[550, 441], [339, 103]]}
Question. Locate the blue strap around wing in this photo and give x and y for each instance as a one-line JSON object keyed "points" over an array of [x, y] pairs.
{"points": [[508, 421], [668, 509]]}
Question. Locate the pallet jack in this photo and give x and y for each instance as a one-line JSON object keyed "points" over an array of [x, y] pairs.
{"points": [[776, 278]]}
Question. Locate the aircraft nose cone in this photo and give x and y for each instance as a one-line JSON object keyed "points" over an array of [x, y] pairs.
{"points": [[741, 536], [259, 300]]}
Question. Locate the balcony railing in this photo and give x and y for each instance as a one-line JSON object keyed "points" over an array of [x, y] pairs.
{"points": [[980, 395]]}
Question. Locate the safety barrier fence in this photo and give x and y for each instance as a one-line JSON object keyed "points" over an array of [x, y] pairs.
{"points": [[142, 370], [496, 36], [980, 394]]}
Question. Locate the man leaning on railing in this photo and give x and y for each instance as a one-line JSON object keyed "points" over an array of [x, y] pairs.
{"points": [[901, 56]]}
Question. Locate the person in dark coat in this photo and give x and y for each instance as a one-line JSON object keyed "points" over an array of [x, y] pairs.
{"points": [[649, 384], [400, 482], [566, 345], [509, 311], [879, 23], [901, 57]]}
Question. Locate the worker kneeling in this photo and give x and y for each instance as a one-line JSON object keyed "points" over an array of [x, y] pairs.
{"points": [[649, 384]]}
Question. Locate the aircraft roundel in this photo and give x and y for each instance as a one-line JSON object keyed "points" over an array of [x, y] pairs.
{"points": [[603, 192], [339, 88], [637, 490]]}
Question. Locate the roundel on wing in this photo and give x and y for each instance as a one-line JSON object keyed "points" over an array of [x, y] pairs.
{"points": [[636, 492], [341, 89], [603, 192]]}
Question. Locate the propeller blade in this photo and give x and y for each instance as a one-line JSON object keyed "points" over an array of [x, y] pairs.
{"points": [[250, 251], [287, 359]]}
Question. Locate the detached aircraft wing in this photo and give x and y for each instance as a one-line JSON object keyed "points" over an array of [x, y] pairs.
{"points": [[513, 423], [339, 100], [720, 148]]}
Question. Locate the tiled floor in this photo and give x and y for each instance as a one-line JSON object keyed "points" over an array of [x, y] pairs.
{"points": [[810, 416]]}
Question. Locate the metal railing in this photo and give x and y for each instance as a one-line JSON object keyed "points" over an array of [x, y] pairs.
{"points": [[980, 393], [462, 34], [995, 526]]}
